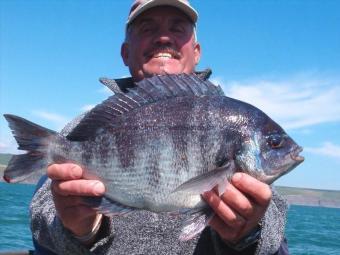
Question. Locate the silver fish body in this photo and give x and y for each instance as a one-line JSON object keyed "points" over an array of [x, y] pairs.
{"points": [[163, 144], [154, 150]]}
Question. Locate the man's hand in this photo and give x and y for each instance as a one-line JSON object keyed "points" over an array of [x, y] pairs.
{"points": [[240, 208], [67, 188]]}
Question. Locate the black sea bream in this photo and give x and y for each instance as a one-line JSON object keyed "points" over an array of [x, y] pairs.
{"points": [[160, 146]]}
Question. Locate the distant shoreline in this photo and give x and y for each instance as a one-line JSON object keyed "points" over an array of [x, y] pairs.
{"points": [[299, 200], [310, 197]]}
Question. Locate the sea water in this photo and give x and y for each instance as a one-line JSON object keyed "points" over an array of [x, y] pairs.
{"points": [[309, 230], [14, 224], [313, 230]]}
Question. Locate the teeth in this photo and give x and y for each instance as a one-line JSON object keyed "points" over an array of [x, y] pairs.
{"points": [[163, 55]]}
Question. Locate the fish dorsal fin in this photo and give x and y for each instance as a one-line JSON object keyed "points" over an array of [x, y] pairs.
{"points": [[147, 91], [105, 114], [111, 85], [117, 85]]}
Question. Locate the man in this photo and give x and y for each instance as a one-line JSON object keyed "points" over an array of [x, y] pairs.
{"points": [[160, 39]]}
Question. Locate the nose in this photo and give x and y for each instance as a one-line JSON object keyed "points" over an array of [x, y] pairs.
{"points": [[163, 37]]}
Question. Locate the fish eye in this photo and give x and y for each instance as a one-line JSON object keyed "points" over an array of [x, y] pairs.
{"points": [[275, 141]]}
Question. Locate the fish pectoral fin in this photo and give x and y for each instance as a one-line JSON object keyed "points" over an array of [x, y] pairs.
{"points": [[207, 181], [195, 223], [107, 206]]}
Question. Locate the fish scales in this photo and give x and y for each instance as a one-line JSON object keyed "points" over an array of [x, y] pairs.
{"points": [[147, 144], [160, 146]]}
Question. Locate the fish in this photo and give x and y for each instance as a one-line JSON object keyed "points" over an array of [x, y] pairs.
{"points": [[159, 147]]}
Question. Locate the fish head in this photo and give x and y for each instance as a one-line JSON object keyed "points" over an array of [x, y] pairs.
{"points": [[268, 152]]}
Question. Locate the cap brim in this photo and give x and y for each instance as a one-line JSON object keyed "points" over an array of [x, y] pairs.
{"points": [[188, 10]]}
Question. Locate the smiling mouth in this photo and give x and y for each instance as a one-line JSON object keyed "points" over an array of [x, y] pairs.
{"points": [[164, 53]]}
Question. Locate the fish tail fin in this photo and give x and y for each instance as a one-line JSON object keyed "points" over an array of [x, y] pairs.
{"points": [[34, 139], [195, 223]]}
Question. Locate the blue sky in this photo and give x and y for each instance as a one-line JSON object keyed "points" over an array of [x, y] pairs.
{"points": [[281, 56]]}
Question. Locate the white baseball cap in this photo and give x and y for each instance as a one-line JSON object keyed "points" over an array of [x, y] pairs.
{"points": [[140, 6]]}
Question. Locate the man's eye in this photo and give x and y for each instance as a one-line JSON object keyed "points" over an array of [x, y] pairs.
{"points": [[146, 30], [177, 29]]}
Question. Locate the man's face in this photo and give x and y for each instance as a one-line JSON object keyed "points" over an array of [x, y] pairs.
{"points": [[160, 41]]}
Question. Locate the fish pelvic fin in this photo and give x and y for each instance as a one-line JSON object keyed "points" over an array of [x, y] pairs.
{"points": [[107, 206], [205, 182], [199, 218], [29, 167], [195, 223]]}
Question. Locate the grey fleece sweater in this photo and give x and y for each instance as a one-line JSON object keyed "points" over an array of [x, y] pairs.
{"points": [[144, 232]]}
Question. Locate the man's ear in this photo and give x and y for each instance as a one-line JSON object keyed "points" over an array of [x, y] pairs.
{"points": [[124, 52], [197, 51]]}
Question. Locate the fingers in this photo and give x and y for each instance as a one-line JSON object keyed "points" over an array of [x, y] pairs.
{"points": [[66, 171], [240, 208], [255, 189], [238, 201], [78, 188], [225, 231], [75, 216], [71, 206], [67, 180], [225, 212], [82, 224], [68, 186]]}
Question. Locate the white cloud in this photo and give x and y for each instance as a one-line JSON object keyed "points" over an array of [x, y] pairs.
{"points": [[58, 121], [87, 107], [327, 149], [298, 102], [106, 91], [8, 145]]}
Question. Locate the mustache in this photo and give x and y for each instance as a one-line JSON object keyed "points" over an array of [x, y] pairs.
{"points": [[164, 49]]}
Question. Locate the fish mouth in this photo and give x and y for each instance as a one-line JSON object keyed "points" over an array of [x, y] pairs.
{"points": [[295, 155], [291, 161]]}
